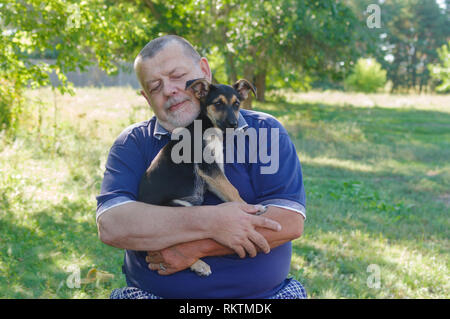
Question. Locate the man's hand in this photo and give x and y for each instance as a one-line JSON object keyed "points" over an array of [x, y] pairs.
{"points": [[172, 259], [233, 225]]}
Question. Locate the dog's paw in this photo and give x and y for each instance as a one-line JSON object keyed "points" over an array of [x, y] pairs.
{"points": [[201, 268], [262, 209]]}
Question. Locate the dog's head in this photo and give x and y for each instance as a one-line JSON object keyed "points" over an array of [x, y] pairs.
{"points": [[219, 102]]}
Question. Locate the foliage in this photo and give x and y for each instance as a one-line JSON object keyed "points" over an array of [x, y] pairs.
{"points": [[279, 42], [414, 30], [253, 39], [367, 76], [76, 33], [11, 102], [441, 71], [275, 44], [406, 42]]}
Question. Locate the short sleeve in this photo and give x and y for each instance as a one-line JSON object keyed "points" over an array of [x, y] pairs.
{"points": [[124, 168]]}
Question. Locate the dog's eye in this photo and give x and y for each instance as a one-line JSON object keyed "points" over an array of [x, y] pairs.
{"points": [[218, 103], [236, 104]]}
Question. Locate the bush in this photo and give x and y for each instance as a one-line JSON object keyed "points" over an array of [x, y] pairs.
{"points": [[441, 72], [11, 101], [367, 76]]}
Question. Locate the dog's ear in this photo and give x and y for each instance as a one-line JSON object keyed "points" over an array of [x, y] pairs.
{"points": [[243, 87], [200, 87]]}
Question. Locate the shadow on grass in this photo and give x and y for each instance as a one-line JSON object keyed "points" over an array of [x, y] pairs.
{"points": [[41, 255]]}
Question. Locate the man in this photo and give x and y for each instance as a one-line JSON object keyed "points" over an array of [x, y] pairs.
{"points": [[162, 242]]}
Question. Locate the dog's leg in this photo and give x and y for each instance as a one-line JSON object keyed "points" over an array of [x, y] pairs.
{"points": [[199, 267], [219, 184]]}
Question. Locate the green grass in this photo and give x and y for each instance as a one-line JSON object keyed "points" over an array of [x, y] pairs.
{"points": [[377, 179]]}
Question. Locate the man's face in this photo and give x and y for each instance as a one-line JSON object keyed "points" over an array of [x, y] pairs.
{"points": [[164, 79]]}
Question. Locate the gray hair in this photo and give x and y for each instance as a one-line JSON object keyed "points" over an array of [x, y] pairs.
{"points": [[156, 45]]}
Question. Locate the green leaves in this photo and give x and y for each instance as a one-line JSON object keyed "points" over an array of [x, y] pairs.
{"points": [[75, 34], [440, 72], [367, 76]]}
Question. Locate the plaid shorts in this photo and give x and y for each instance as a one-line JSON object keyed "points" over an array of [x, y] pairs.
{"points": [[291, 290]]}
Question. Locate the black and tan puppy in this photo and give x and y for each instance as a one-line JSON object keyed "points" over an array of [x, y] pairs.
{"points": [[171, 183]]}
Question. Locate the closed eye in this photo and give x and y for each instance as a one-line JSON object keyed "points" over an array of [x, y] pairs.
{"points": [[178, 76], [156, 88]]}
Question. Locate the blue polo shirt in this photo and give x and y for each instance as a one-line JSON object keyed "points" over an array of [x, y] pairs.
{"points": [[232, 277]]}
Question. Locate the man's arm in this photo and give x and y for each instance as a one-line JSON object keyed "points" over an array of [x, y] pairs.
{"points": [[140, 226], [181, 256], [291, 228]]}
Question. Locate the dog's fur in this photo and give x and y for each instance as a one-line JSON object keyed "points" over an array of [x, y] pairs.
{"points": [[170, 184]]}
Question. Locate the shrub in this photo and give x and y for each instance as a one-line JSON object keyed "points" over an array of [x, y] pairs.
{"points": [[441, 72], [367, 76], [11, 101]]}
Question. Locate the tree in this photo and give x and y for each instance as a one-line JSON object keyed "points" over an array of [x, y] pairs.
{"points": [[76, 33], [414, 30], [286, 39]]}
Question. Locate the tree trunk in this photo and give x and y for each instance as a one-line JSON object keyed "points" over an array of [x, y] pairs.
{"points": [[230, 67], [260, 84], [248, 75]]}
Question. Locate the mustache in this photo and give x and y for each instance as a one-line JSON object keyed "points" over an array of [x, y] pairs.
{"points": [[175, 100]]}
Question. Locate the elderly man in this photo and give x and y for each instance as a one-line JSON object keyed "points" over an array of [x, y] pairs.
{"points": [[249, 255]]}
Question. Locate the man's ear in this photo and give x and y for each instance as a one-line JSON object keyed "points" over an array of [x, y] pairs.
{"points": [[146, 97], [243, 87], [200, 87]]}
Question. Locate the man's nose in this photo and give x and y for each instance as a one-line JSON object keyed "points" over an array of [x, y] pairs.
{"points": [[170, 88]]}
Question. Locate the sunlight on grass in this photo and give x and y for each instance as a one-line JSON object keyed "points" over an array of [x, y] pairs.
{"points": [[337, 163], [363, 100]]}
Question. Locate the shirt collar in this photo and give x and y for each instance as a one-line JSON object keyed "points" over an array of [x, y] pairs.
{"points": [[242, 123], [160, 130]]}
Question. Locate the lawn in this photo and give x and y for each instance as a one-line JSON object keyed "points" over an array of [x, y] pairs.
{"points": [[376, 171]]}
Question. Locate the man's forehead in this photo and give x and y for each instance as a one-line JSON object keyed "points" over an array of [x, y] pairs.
{"points": [[165, 65]]}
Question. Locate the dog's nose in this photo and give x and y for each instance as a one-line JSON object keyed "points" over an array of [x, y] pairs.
{"points": [[232, 123]]}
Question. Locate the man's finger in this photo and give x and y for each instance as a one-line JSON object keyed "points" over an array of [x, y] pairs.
{"points": [[250, 248], [266, 223], [154, 267], [154, 259], [153, 253], [240, 251], [260, 241]]}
